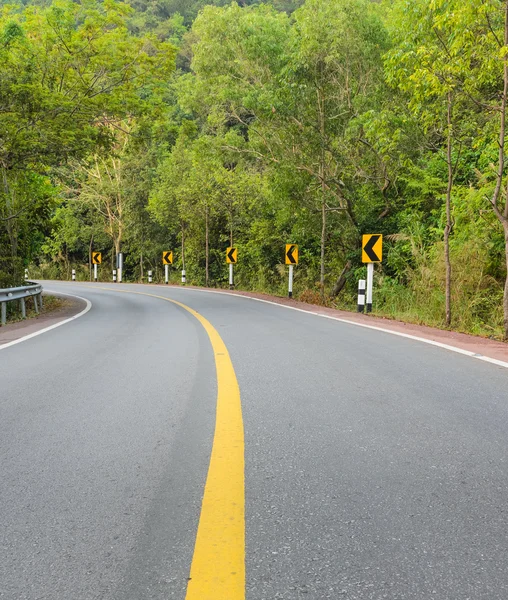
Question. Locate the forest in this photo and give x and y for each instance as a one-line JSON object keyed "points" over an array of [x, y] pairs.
{"points": [[194, 125]]}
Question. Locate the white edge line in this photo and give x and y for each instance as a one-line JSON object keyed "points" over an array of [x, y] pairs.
{"points": [[408, 336], [41, 331]]}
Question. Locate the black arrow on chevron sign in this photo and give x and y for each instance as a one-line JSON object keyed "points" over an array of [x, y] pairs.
{"points": [[231, 255], [369, 248], [290, 256], [167, 257], [96, 257]]}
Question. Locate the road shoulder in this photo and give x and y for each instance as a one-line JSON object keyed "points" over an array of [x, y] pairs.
{"points": [[70, 307]]}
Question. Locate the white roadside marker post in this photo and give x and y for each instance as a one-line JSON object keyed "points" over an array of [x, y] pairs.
{"points": [[73, 276], [183, 276], [114, 275], [149, 276], [26, 274], [290, 284], [95, 272], [361, 295], [370, 285], [166, 274]]}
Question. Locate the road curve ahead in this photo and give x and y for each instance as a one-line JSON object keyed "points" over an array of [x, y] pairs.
{"points": [[161, 450]]}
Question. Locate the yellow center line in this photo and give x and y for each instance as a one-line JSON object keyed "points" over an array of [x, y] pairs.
{"points": [[218, 565]]}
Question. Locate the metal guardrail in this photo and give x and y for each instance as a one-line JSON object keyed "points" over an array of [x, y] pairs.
{"points": [[33, 290]]}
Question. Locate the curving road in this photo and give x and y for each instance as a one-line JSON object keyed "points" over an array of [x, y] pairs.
{"points": [[375, 466]]}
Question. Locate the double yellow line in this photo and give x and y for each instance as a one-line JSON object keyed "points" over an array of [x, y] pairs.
{"points": [[218, 565]]}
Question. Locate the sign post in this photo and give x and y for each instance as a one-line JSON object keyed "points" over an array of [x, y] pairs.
{"points": [[291, 260], [370, 285], [167, 259], [119, 266], [372, 252], [231, 259], [96, 260]]}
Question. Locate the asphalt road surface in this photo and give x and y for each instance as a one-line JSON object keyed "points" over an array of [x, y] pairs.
{"points": [[375, 466]]}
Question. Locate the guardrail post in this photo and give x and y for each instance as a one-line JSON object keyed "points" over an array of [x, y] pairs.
{"points": [[40, 301], [36, 306], [4, 312], [23, 308]]}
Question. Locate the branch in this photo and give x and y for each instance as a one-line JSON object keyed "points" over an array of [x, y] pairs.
{"points": [[15, 216]]}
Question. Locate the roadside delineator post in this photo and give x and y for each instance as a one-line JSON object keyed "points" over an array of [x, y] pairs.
{"points": [[167, 259], [73, 275], [26, 274], [372, 252], [361, 295], [291, 260], [114, 275], [149, 276], [183, 276], [231, 259], [96, 260]]}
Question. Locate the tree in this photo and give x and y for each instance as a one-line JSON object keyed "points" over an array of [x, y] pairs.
{"points": [[68, 73], [425, 63], [293, 91]]}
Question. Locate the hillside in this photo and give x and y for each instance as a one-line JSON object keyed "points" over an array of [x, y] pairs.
{"points": [[195, 126]]}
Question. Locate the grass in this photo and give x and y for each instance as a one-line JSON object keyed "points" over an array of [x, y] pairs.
{"points": [[50, 304]]}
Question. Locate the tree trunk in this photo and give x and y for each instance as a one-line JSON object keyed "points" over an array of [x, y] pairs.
{"points": [[323, 241], [448, 226], [90, 250], [322, 168], [183, 246], [341, 281], [502, 215], [505, 297], [206, 248], [12, 229]]}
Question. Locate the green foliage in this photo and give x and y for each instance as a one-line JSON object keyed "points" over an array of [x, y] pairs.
{"points": [[308, 122]]}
